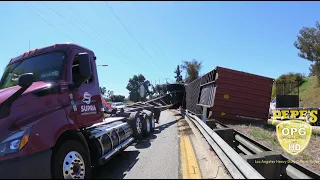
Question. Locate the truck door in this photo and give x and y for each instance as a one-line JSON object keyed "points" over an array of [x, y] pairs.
{"points": [[87, 104]]}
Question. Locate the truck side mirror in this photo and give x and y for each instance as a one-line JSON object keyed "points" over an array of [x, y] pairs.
{"points": [[26, 80], [84, 67]]}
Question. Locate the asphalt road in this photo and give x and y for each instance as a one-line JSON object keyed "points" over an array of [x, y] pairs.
{"points": [[156, 157]]}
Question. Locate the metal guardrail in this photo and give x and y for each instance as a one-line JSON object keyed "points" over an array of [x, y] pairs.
{"points": [[288, 170], [238, 167], [243, 156]]}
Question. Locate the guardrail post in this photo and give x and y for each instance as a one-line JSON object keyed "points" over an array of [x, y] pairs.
{"points": [[226, 134], [211, 123], [267, 163], [204, 114]]}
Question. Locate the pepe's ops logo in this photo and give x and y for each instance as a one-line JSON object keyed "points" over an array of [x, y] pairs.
{"points": [[294, 135], [302, 114]]}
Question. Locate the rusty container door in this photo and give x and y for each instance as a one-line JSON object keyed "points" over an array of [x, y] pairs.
{"points": [[240, 96]]}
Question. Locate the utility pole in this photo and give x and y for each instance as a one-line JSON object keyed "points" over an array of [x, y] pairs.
{"points": [[29, 45]]}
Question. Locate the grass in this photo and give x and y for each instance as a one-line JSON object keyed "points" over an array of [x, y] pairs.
{"points": [[264, 135], [310, 93]]}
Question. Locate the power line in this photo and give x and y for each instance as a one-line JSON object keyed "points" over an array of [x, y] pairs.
{"points": [[137, 65], [75, 24], [102, 35], [71, 20], [49, 22], [154, 41], [66, 16], [101, 15], [110, 8], [63, 26]]}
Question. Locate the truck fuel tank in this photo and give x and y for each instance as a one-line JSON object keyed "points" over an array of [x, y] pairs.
{"points": [[109, 136]]}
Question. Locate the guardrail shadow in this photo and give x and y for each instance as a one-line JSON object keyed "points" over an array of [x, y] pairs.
{"points": [[158, 129], [116, 167]]}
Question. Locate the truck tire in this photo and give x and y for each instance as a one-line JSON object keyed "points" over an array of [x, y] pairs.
{"points": [[151, 119], [146, 125], [157, 113], [71, 161], [135, 123]]}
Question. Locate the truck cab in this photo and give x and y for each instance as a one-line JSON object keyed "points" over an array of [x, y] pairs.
{"points": [[52, 122]]}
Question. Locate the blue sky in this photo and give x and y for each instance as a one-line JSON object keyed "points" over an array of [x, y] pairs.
{"points": [[255, 37]]}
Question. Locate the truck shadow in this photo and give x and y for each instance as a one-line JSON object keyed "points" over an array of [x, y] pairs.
{"points": [[116, 167], [145, 143]]}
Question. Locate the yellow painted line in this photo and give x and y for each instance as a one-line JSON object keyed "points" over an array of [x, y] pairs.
{"points": [[189, 164], [183, 157]]}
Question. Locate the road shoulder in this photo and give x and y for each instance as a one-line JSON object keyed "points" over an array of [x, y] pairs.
{"points": [[207, 163]]}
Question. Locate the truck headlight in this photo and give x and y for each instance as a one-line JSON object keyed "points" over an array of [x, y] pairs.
{"points": [[14, 142]]}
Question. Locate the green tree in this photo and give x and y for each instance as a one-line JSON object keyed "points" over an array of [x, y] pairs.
{"points": [[192, 69], [133, 87], [288, 83], [103, 90], [160, 89], [109, 94], [178, 75], [308, 43], [312, 70], [117, 98]]}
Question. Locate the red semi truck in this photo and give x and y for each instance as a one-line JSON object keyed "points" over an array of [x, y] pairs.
{"points": [[52, 122]]}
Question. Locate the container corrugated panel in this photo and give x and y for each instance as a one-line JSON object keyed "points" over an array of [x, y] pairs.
{"points": [[241, 96], [207, 89], [207, 94], [192, 96], [209, 77]]}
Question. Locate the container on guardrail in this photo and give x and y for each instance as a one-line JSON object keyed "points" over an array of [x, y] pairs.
{"points": [[230, 96]]}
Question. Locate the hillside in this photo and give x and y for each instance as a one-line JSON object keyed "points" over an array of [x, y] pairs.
{"points": [[309, 93]]}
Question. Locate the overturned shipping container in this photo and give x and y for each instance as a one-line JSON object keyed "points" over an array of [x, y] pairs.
{"points": [[230, 96]]}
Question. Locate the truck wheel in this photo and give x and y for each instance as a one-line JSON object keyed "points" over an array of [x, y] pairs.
{"points": [[151, 119], [135, 123], [71, 161], [157, 113], [146, 125]]}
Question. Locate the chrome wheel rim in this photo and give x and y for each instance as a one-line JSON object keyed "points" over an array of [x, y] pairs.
{"points": [[139, 125], [73, 166], [148, 124], [153, 123]]}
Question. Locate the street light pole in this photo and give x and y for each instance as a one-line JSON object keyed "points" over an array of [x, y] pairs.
{"points": [[104, 65]]}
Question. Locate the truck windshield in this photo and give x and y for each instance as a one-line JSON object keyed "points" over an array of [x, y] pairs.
{"points": [[45, 67]]}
